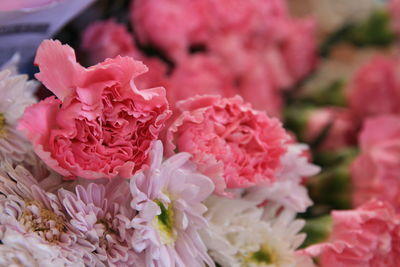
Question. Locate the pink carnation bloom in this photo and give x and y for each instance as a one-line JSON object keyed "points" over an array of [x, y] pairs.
{"points": [[378, 84], [168, 198], [108, 39], [233, 144], [366, 236], [375, 172], [100, 124], [342, 127]]}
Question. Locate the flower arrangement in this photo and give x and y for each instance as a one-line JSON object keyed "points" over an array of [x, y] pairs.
{"points": [[206, 133]]}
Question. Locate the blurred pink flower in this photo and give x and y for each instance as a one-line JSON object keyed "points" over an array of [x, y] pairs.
{"points": [[232, 143], [394, 9], [378, 84], [199, 75], [366, 236], [108, 39], [299, 48], [168, 199], [342, 127], [170, 25], [100, 124], [376, 171]]}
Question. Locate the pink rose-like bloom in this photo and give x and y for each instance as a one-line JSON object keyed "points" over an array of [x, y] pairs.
{"points": [[233, 144], [367, 236], [375, 88], [342, 127], [376, 171], [100, 124], [108, 39]]}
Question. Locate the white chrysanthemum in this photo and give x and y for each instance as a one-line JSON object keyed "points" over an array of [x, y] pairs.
{"points": [[168, 199], [30, 215], [242, 234], [16, 93], [288, 190]]}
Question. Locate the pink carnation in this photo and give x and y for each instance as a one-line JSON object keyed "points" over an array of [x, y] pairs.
{"points": [[378, 84], [376, 171], [100, 124], [233, 144], [367, 236], [108, 39]]}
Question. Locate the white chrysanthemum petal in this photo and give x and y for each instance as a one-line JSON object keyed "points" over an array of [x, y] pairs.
{"points": [[288, 189], [242, 234]]}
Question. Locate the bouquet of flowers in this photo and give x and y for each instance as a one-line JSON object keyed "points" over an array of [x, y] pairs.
{"points": [[206, 133]]}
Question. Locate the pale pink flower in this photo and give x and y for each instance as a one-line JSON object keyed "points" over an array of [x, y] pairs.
{"points": [[30, 215], [101, 213], [100, 124], [378, 84], [366, 236], [233, 144], [375, 172], [168, 198]]}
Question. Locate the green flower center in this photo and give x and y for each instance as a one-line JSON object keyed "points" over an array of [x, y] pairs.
{"points": [[264, 256], [165, 224]]}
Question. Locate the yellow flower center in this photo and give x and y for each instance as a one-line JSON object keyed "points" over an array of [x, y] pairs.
{"points": [[165, 224], [44, 222], [3, 131]]}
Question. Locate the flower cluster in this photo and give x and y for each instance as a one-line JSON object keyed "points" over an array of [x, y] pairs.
{"points": [[171, 136], [96, 188]]}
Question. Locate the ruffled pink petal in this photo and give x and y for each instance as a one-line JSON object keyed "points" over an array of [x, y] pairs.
{"points": [[58, 67]]}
